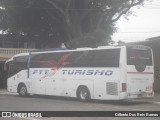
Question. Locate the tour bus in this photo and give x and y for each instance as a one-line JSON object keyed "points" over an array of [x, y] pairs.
{"points": [[104, 73]]}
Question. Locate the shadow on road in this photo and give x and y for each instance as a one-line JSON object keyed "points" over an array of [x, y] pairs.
{"points": [[121, 102], [112, 102]]}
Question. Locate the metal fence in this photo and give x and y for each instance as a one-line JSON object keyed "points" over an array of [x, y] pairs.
{"points": [[9, 52]]}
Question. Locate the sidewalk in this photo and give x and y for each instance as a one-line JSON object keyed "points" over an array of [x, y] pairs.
{"points": [[5, 92], [155, 100]]}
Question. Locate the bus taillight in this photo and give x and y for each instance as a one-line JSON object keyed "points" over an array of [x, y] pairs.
{"points": [[124, 87]]}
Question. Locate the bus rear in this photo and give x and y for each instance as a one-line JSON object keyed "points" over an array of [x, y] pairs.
{"points": [[140, 72]]}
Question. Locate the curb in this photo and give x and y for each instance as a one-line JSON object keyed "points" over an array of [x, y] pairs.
{"points": [[7, 93]]}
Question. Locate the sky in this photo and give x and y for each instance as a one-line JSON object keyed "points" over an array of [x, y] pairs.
{"points": [[144, 24]]}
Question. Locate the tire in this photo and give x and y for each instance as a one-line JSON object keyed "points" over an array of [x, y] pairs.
{"points": [[22, 90], [83, 94]]}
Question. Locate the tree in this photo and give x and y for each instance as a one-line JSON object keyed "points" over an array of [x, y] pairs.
{"points": [[20, 18], [77, 23], [92, 21]]}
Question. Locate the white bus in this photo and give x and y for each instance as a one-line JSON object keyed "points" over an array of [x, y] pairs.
{"points": [[105, 73]]}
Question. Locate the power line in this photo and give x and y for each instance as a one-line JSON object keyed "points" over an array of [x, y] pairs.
{"points": [[150, 8], [153, 5], [140, 32], [47, 8]]}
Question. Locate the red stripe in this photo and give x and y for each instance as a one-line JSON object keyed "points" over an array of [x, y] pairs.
{"points": [[139, 72]]}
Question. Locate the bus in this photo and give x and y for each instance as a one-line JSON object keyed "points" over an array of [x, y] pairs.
{"points": [[103, 73]]}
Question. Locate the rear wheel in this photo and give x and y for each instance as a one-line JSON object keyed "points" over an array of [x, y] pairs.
{"points": [[22, 90], [83, 94]]}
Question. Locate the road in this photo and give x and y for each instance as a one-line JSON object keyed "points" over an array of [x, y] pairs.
{"points": [[48, 103]]}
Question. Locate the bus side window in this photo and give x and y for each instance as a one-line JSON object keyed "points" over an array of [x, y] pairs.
{"points": [[106, 58], [82, 59]]}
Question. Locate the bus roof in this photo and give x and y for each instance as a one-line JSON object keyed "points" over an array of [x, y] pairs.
{"points": [[51, 49]]}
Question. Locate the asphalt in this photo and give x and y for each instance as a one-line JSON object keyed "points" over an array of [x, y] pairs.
{"points": [[154, 100]]}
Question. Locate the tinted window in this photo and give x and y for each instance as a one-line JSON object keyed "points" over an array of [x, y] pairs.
{"points": [[21, 59], [80, 59], [89, 58], [16, 67], [60, 59], [12, 69], [106, 58], [18, 64], [139, 56]]}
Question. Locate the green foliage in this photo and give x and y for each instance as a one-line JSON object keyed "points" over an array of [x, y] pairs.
{"points": [[77, 23]]}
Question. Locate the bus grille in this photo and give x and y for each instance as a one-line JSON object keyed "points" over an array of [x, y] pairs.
{"points": [[112, 88]]}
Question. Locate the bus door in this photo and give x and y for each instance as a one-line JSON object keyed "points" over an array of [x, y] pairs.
{"points": [[11, 77], [139, 70]]}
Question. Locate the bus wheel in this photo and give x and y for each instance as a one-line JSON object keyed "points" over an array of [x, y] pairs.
{"points": [[83, 94], [22, 90]]}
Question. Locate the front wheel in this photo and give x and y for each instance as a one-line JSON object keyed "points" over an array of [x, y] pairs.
{"points": [[22, 91], [83, 94]]}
